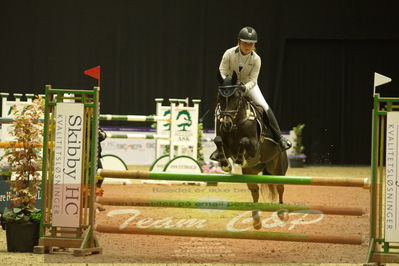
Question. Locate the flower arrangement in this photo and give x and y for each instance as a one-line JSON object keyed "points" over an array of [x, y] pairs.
{"points": [[25, 162], [298, 146], [212, 168], [200, 148], [297, 157]]}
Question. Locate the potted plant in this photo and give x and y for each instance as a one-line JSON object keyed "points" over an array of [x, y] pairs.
{"points": [[22, 220], [297, 158]]}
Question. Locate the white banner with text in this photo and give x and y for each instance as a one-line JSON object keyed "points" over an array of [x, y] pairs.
{"points": [[67, 164]]}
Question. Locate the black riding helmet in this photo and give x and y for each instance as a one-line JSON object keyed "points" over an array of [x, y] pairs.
{"points": [[248, 34]]}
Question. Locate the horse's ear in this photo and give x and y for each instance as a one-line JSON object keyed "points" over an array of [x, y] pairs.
{"points": [[234, 78], [219, 77]]}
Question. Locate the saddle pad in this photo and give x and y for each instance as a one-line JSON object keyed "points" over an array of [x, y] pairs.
{"points": [[258, 112]]}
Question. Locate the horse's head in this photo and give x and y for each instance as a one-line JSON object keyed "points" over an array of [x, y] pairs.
{"points": [[229, 100]]}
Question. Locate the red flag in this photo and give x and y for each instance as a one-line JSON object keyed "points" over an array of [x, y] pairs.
{"points": [[93, 72]]}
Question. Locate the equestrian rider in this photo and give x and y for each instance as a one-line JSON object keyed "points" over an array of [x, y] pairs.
{"points": [[246, 63]]}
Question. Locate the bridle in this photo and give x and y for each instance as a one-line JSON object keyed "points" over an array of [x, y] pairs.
{"points": [[230, 113]]}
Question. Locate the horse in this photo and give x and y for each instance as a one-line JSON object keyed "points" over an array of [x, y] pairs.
{"points": [[242, 137]]}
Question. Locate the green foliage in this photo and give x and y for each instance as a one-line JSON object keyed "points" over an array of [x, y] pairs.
{"points": [[200, 153], [5, 172], [25, 161], [21, 215], [166, 150], [298, 146]]}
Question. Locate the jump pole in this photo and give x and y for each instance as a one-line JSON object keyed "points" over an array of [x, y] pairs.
{"points": [[135, 118], [14, 145], [7, 120], [231, 178], [109, 117], [137, 136], [228, 205], [279, 236]]}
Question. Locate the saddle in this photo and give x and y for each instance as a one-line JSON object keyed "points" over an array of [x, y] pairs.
{"points": [[259, 114]]}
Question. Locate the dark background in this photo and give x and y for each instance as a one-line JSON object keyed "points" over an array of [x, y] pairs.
{"points": [[318, 58]]}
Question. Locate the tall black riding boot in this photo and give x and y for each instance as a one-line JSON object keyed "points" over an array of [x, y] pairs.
{"points": [[285, 144]]}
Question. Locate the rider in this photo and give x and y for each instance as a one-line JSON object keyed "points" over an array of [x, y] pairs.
{"points": [[246, 63]]}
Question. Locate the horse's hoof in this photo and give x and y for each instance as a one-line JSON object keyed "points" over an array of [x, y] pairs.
{"points": [[225, 166], [257, 224], [283, 215], [226, 169]]}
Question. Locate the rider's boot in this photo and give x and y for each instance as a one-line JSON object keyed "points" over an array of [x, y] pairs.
{"points": [[285, 144]]}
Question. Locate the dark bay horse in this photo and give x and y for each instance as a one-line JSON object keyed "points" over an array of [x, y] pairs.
{"points": [[241, 137]]}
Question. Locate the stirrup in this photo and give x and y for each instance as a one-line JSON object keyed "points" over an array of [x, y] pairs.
{"points": [[285, 144]]}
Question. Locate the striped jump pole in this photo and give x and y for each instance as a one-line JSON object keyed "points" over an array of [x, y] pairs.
{"points": [[7, 120], [137, 136], [108, 117], [236, 206], [231, 178], [136, 118], [279, 236], [14, 145]]}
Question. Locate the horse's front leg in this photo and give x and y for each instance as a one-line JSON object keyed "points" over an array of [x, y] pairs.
{"points": [[243, 146], [247, 148], [224, 163]]}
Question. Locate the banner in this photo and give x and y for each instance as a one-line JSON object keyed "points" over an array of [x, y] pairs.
{"points": [[391, 178], [68, 164]]}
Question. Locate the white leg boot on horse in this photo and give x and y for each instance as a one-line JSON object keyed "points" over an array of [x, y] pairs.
{"points": [[236, 169]]}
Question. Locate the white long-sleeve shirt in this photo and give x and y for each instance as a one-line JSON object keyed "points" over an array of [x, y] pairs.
{"points": [[250, 66]]}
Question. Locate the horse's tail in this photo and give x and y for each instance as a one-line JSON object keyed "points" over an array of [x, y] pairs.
{"points": [[278, 166], [269, 193]]}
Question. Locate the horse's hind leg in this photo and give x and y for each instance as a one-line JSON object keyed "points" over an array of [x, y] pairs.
{"points": [[282, 214], [280, 190], [254, 188]]}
